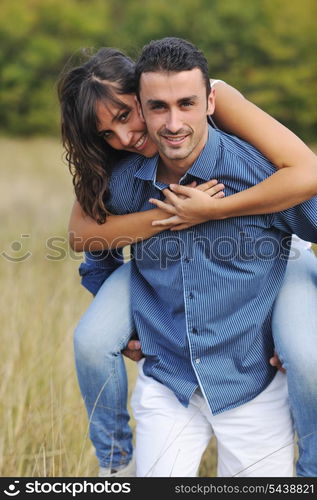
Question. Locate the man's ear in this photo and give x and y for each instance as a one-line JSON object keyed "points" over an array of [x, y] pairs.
{"points": [[139, 108], [211, 102]]}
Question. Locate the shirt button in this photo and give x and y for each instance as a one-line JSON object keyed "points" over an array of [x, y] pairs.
{"points": [[197, 361], [194, 330], [190, 295], [186, 260]]}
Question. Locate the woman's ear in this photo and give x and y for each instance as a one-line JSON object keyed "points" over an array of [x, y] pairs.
{"points": [[139, 108], [211, 102]]}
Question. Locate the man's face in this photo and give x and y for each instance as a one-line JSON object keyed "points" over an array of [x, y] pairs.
{"points": [[175, 106]]}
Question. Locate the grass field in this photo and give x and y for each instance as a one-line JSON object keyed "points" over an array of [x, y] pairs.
{"points": [[43, 420]]}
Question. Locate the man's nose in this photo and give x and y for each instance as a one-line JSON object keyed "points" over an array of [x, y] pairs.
{"points": [[173, 122]]}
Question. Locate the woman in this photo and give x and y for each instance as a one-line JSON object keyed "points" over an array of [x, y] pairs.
{"points": [[99, 121]]}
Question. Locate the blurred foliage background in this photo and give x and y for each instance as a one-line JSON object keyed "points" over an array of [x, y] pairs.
{"points": [[265, 48]]}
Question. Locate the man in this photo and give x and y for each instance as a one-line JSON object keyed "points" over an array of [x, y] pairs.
{"points": [[202, 298]]}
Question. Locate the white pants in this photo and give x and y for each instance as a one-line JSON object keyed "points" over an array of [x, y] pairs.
{"points": [[254, 439]]}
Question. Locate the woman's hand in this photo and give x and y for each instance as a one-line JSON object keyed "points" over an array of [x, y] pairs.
{"points": [[275, 361], [133, 350], [189, 205]]}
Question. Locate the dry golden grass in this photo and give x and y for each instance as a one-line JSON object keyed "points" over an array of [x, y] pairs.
{"points": [[43, 420], [42, 417]]}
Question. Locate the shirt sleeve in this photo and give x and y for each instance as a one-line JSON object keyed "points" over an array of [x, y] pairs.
{"points": [[300, 220], [98, 266]]}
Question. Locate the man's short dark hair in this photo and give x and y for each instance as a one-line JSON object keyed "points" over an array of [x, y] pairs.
{"points": [[171, 54]]}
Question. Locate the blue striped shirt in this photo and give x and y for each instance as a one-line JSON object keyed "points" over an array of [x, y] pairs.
{"points": [[202, 298]]}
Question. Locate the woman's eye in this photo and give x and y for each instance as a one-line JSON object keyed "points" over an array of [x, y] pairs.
{"points": [[123, 117], [106, 134]]}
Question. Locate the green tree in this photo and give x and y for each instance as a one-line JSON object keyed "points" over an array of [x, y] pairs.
{"points": [[266, 48]]}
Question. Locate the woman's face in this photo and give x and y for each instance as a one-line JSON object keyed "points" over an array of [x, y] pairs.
{"points": [[123, 128]]}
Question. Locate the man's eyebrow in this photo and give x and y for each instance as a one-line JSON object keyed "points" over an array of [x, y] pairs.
{"points": [[155, 101], [189, 98], [182, 99]]}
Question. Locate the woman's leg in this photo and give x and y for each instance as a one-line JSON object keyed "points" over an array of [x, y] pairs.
{"points": [[101, 334], [295, 336]]}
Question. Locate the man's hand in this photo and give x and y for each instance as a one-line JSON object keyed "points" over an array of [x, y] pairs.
{"points": [[275, 361], [133, 350], [188, 205]]}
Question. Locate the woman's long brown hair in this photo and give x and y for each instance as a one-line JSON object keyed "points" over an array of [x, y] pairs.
{"points": [[102, 77]]}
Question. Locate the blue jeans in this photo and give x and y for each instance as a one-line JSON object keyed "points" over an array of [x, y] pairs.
{"points": [[100, 335], [295, 336], [106, 326]]}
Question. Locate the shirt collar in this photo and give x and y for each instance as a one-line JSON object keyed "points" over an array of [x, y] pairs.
{"points": [[202, 167]]}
